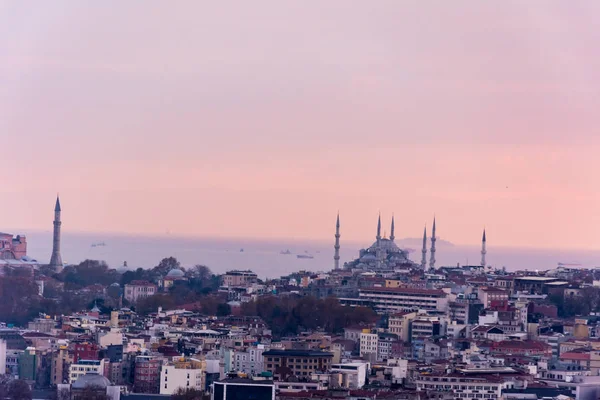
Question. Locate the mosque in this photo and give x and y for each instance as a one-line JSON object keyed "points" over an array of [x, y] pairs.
{"points": [[385, 255]]}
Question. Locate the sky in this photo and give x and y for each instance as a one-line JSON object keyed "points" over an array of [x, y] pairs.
{"points": [[262, 119]]}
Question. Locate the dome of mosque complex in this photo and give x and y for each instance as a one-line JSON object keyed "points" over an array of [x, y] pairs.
{"points": [[383, 255], [175, 273], [91, 380]]}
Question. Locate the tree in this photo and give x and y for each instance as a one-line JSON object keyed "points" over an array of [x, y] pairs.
{"points": [[151, 304], [165, 265], [223, 310], [289, 315], [200, 272], [114, 293], [19, 390], [63, 394], [4, 383], [88, 272], [52, 289], [18, 294], [187, 394]]}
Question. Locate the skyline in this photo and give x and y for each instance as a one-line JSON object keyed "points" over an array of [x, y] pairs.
{"points": [[264, 120]]}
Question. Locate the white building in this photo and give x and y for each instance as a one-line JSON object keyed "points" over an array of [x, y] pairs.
{"points": [[397, 368], [83, 367], [250, 361], [356, 373], [368, 343], [287, 387], [173, 378], [393, 300], [110, 338], [137, 290], [461, 386], [490, 318]]}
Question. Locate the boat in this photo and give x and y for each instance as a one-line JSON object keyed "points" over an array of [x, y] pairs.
{"points": [[286, 252], [309, 256], [241, 250], [99, 244]]}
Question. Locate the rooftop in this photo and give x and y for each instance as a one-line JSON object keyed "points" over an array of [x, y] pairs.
{"points": [[246, 381], [535, 278], [407, 290], [298, 353]]}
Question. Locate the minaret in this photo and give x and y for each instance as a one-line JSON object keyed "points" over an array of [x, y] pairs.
{"points": [[378, 237], [56, 259], [336, 247], [424, 250], [483, 250], [433, 239], [392, 236], [379, 250]]}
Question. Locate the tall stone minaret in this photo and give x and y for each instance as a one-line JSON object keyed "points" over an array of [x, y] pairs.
{"points": [[379, 250], [336, 247], [56, 259], [378, 236], [433, 239], [483, 250], [424, 250], [392, 236]]}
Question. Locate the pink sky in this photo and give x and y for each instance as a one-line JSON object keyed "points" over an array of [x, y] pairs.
{"points": [[263, 118]]}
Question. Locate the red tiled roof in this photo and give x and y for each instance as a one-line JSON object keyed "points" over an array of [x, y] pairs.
{"points": [[517, 344], [572, 355]]}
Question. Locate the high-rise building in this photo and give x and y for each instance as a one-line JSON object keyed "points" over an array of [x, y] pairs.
{"points": [[59, 368], [147, 374], [28, 362]]}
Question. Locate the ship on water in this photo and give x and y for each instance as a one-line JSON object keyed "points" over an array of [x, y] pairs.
{"points": [[305, 256], [99, 244], [285, 252]]}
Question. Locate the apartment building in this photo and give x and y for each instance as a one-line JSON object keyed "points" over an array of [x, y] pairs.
{"points": [[301, 363], [393, 300], [83, 367], [183, 374]]}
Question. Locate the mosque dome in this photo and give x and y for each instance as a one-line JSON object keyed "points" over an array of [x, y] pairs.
{"points": [[93, 380], [175, 273], [387, 245]]}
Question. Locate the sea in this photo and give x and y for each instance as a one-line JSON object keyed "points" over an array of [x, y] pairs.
{"points": [[265, 257]]}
